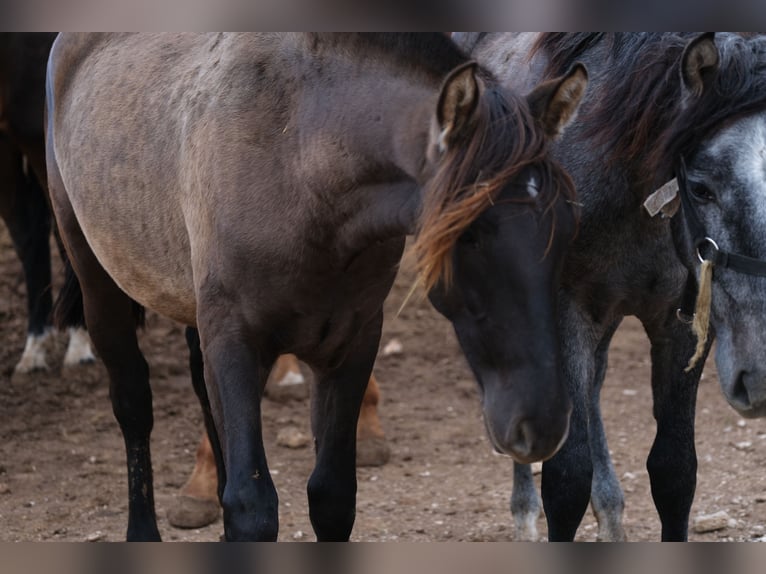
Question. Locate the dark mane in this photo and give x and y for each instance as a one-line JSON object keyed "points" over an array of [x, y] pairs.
{"points": [[637, 112], [473, 172], [434, 52]]}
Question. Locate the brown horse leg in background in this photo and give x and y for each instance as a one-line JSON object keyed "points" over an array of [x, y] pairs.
{"points": [[197, 502]]}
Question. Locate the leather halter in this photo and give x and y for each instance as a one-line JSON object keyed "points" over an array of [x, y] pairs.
{"points": [[719, 257]]}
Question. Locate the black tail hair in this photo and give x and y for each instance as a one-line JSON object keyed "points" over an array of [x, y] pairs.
{"points": [[68, 309]]}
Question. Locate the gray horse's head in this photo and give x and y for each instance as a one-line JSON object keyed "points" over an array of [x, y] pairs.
{"points": [[726, 188]]}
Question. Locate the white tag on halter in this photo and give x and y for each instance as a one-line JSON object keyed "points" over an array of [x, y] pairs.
{"points": [[665, 199]]}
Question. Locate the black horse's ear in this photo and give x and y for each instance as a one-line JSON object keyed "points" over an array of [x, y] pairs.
{"points": [[554, 102], [458, 102], [699, 64]]}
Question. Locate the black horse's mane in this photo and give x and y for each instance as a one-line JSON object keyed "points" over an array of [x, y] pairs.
{"points": [[639, 104]]}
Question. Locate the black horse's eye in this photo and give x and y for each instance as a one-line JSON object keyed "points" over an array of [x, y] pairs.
{"points": [[469, 238], [701, 192]]}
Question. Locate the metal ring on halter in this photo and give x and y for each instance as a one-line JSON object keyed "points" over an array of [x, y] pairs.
{"points": [[713, 243]]}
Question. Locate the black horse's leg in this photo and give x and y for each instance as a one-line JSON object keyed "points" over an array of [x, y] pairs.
{"points": [[235, 373], [672, 462], [197, 369], [566, 480], [607, 498], [525, 503], [25, 211], [336, 401]]}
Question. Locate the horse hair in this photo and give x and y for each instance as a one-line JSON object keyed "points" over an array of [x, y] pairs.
{"points": [[504, 143], [641, 108]]}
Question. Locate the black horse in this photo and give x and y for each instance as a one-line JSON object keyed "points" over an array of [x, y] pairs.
{"points": [[690, 111], [24, 206]]}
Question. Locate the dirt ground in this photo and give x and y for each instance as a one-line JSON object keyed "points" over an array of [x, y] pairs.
{"points": [[62, 475]]}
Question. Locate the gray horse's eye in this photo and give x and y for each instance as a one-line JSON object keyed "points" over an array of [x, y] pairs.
{"points": [[701, 192]]}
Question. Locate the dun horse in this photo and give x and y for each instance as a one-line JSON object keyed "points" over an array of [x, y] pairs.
{"points": [[685, 110], [259, 188]]}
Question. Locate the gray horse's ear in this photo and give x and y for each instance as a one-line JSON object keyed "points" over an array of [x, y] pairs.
{"points": [[699, 64], [554, 102], [458, 102]]}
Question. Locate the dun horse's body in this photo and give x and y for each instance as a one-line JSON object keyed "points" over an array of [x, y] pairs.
{"points": [[260, 187], [23, 204], [660, 107]]}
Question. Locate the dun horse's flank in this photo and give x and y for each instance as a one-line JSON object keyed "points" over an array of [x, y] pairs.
{"points": [[679, 109], [259, 187]]}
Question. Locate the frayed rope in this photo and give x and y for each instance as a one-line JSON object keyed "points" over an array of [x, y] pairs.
{"points": [[701, 323]]}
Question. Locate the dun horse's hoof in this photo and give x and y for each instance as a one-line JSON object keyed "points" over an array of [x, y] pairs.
{"points": [[190, 512], [373, 451]]}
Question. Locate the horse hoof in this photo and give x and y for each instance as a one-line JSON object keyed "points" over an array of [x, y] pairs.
{"points": [[372, 452], [189, 512]]}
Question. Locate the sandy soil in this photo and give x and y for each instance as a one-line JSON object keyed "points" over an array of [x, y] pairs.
{"points": [[62, 475]]}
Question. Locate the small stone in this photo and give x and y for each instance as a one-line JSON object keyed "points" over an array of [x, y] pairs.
{"points": [[393, 347], [629, 392], [743, 445], [537, 467], [629, 475], [710, 522], [4, 488], [94, 537], [298, 535], [741, 423], [291, 437]]}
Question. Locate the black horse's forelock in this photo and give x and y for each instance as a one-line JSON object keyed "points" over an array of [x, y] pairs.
{"points": [[639, 105]]}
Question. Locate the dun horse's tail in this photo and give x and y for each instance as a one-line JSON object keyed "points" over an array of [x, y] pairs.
{"points": [[68, 309]]}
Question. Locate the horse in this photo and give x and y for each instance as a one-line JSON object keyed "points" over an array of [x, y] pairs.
{"points": [[259, 188], [23, 203], [688, 111]]}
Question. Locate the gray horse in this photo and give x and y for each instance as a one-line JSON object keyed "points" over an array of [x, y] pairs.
{"points": [[686, 110], [259, 187]]}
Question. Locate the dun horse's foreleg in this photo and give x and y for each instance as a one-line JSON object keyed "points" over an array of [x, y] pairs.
{"points": [[607, 499], [525, 503], [235, 376], [336, 402], [672, 462]]}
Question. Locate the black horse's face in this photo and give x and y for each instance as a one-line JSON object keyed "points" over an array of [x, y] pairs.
{"points": [[727, 188], [502, 304]]}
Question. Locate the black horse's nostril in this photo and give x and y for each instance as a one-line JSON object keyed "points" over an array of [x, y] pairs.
{"points": [[522, 439]]}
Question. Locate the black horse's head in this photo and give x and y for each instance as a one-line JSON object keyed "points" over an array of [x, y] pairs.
{"points": [[497, 220]]}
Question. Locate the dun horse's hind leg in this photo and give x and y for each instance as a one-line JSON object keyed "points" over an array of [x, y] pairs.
{"points": [[672, 462], [336, 402], [110, 316], [25, 211], [607, 499]]}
